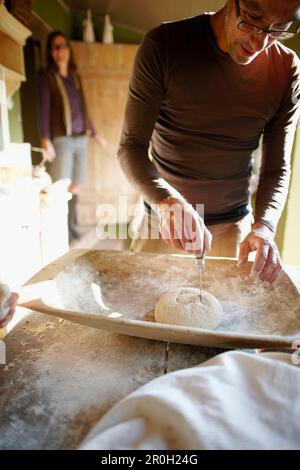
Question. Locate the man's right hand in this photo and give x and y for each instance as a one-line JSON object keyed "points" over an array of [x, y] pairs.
{"points": [[182, 227], [49, 149]]}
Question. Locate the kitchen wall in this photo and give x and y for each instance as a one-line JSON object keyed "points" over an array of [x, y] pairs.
{"points": [[70, 22]]}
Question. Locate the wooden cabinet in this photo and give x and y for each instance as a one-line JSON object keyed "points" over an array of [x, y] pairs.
{"points": [[105, 72], [19, 234], [13, 35]]}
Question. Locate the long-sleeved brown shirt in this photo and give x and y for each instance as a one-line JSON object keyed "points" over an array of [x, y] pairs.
{"points": [[204, 115]]}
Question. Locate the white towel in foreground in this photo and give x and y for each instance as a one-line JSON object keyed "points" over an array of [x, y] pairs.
{"points": [[234, 401]]}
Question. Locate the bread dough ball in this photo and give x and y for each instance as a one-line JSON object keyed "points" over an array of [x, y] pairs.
{"points": [[183, 307], [5, 294]]}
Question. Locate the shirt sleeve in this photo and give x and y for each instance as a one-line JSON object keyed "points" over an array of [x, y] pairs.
{"points": [[90, 127], [89, 124], [44, 106], [276, 155], [146, 93]]}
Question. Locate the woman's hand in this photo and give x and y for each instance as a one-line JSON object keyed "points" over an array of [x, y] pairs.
{"points": [[100, 140], [11, 304], [267, 264], [49, 149], [182, 227]]}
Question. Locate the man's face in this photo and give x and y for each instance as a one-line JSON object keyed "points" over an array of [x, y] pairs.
{"points": [[244, 47]]}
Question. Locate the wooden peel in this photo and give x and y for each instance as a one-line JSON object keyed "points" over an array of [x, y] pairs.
{"points": [[167, 357]]}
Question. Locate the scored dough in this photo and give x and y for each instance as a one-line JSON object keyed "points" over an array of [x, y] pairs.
{"points": [[183, 307]]}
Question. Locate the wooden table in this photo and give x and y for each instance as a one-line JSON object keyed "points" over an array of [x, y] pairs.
{"points": [[61, 377]]}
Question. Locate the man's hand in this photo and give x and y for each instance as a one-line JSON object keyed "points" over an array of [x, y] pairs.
{"points": [[11, 303], [267, 262], [182, 227], [49, 149]]}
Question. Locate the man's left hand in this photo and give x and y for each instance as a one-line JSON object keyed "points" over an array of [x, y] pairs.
{"points": [[267, 264]]}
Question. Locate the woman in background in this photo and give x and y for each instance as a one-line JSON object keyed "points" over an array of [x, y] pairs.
{"points": [[64, 121]]}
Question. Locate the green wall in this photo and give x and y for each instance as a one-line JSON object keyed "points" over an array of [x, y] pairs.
{"points": [[54, 14], [290, 249], [283, 238], [294, 44], [71, 23]]}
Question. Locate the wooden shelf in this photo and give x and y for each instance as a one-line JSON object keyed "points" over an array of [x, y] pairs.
{"points": [[12, 28]]}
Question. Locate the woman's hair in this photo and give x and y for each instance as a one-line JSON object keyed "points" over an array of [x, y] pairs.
{"points": [[50, 61]]}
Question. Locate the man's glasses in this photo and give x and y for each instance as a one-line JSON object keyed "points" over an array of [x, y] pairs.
{"points": [[291, 30]]}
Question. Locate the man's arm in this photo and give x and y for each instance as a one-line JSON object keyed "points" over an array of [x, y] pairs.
{"points": [[277, 148], [146, 93], [180, 225], [11, 305]]}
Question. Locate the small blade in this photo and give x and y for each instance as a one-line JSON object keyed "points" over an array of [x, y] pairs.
{"points": [[200, 274], [167, 357]]}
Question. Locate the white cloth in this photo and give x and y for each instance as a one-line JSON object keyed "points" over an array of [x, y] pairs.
{"points": [[234, 401]]}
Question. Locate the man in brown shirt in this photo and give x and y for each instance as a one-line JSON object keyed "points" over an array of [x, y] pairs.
{"points": [[203, 91]]}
